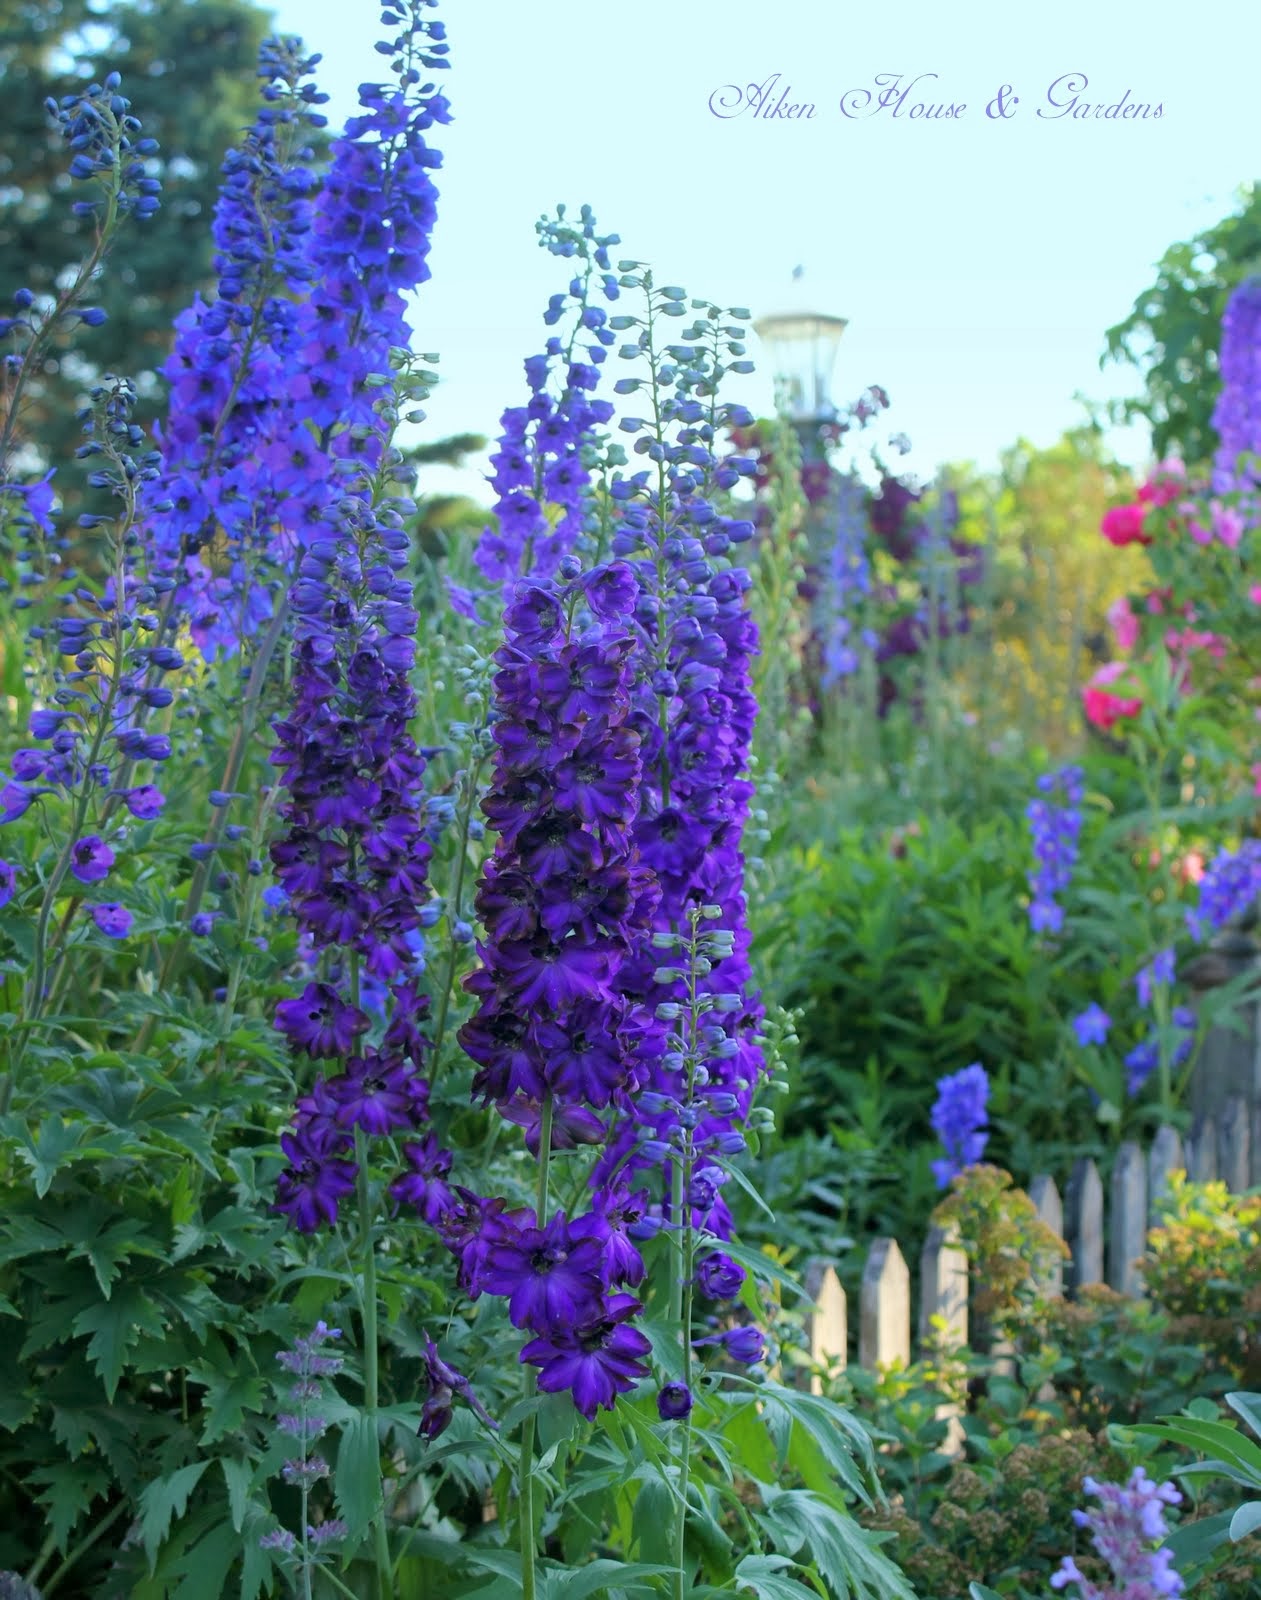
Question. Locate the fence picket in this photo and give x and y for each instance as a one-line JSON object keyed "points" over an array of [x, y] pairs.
{"points": [[1127, 1233], [1164, 1157], [943, 1273], [1233, 1131], [1050, 1209], [1201, 1149], [827, 1326], [884, 1328], [1085, 1223]]}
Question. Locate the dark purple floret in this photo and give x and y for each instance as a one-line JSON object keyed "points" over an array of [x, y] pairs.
{"points": [[596, 1359]]}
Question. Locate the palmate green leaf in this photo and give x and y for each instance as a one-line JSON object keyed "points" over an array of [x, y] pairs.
{"points": [[239, 1477], [114, 1326], [656, 1512], [70, 1489], [161, 1501], [228, 1398], [846, 1554], [109, 1252], [839, 1436], [767, 1578]]}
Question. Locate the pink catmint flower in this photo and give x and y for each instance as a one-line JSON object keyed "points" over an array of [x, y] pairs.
{"points": [[1123, 525], [1123, 622], [1103, 708]]}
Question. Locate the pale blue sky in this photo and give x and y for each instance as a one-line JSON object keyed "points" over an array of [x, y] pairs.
{"points": [[977, 260]]}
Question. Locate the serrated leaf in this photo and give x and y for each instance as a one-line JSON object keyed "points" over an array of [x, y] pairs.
{"points": [[358, 1475], [114, 1326], [656, 1510], [766, 1576], [845, 1553], [228, 1397], [239, 1476], [161, 1501], [71, 1487]]}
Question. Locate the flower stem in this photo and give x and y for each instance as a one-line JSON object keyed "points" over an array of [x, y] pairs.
{"points": [[371, 1370], [526, 1466]]}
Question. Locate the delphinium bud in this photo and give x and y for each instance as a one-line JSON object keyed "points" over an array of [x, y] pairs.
{"points": [[1237, 415], [540, 468]]}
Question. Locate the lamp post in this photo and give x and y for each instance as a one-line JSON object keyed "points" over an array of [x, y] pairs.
{"points": [[802, 346]]}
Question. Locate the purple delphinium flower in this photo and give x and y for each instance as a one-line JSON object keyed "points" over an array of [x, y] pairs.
{"points": [[562, 895], [1128, 1522], [445, 1384], [959, 1118], [719, 1277], [320, 1022], [1160, 970], [91, 859], [540, 468], [1237, 414], [8, 879], [1055, 823], [1091, 1025], [596, 1359], [850, 583], [1230, 886], [1144, 1058], [112, 919], [354, 858], [746, 1344], [552, 1276], [674, 1402]]}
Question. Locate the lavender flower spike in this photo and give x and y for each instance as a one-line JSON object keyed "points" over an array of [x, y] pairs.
{"points": [[1128, 1521]]}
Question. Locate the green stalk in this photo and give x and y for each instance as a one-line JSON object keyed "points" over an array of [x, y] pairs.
{"points": [[453, 916], [371, 1369], [687, 1242], [525, 1474]]}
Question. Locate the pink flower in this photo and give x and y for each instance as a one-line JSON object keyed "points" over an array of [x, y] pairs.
{"points": [[1103, 708], [1254, 594], [1123, 622], [1123, 525], [1155, 601], [1196, 639], [1228, 525], [1167, 482]]}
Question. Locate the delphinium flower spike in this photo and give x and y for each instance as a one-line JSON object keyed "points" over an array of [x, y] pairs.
{"points": [[1054, 818]]}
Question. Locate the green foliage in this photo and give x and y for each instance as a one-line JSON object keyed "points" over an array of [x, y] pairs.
{"points": [[194, 61], [1203, 1265], [1174, 328], [1010, 1250]]}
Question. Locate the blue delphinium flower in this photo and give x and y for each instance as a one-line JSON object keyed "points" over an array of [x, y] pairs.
{"points": [[1127, 1529], [1055, 822], [1237, 415], [850, 583], [1230, 886], [959, 1118], [1159, 972], [1091, 1025]]}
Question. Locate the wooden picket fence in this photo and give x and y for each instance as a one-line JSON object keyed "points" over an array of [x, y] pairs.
{"points": [[1105, 1243]]}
